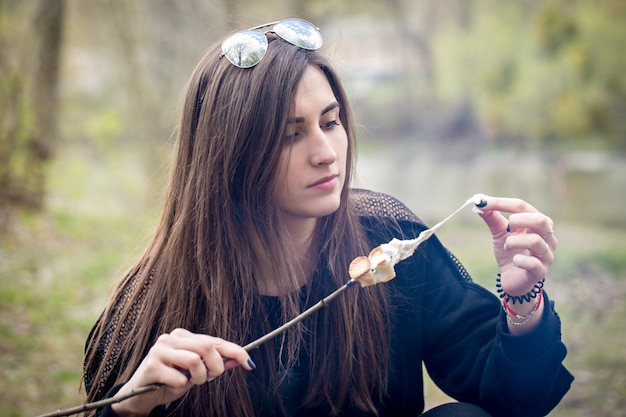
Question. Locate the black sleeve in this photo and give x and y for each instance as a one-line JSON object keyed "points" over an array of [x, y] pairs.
{"points": [[470, 354], [89, 372], [98, 347]]}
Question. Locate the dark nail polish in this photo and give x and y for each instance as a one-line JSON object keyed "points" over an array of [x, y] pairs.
{"points": [[251, 364], [481, 204], [508, 228]]}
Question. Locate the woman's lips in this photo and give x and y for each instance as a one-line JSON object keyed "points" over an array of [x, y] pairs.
{"points": [[326, 183]]}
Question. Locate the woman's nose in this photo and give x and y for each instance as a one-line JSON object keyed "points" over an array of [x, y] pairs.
{"points": [[322, 149]]}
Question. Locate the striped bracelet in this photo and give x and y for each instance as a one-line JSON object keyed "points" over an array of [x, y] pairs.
{"points": [[533, 293]]}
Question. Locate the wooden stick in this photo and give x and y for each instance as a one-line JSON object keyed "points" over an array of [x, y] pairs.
{"points": [[424, 235], [306, 313], [102, 403], [250, 346]]}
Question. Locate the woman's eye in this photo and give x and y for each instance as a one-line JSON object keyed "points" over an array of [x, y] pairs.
{"points": [[292, 136], [330, 124]]}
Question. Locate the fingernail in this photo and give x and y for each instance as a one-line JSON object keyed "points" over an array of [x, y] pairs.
{"points": [[508, 228], [482, 203], [505, 247], [251, 364]]}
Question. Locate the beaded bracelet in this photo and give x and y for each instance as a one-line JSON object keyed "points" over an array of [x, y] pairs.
{"points": [[536, 290], [510, 313]]}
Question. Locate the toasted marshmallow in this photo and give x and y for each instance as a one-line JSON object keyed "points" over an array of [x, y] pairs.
{"points": [[360, 270], [379, 265]]}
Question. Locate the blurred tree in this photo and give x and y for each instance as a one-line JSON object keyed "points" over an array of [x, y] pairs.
{"points": [[542, 72], [30, 50]]}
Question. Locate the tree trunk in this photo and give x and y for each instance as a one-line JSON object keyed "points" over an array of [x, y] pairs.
{"points": [[40, 147], [30, 50]]}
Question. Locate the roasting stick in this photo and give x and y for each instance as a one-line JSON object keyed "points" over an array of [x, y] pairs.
{"points": [[407, 247], [404, 249], [366, 270], [250, 346]]}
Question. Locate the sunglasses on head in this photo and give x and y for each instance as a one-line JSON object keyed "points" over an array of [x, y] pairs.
{"points": [[245, 49]]}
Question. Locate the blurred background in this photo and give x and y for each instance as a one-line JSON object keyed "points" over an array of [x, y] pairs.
{"points": [[452, 98]]}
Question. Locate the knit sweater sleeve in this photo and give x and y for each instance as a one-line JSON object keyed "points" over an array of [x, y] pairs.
{"points": [[101, 373], [471, 355], [465, 343]]}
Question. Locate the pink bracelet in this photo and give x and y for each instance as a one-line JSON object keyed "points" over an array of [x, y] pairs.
{"points": [[525, 318]]}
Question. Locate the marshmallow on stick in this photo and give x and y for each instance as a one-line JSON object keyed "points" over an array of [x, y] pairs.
{"points": [[379, 265]]}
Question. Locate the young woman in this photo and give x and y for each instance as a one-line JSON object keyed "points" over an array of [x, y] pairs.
{"points": [[260, 222]]}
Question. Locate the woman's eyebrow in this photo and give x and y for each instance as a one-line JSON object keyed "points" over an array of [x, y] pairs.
{"points": [[329, 108], [326, 109]]}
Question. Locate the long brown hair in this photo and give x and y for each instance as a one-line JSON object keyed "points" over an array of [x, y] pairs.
{"points": [[198, 272]]}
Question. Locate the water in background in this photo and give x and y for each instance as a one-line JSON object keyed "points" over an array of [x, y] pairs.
{"points": [[573, 187]]}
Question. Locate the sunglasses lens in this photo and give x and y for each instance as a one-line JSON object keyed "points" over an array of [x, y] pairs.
{"points": [[245, 49], [299, 32]]}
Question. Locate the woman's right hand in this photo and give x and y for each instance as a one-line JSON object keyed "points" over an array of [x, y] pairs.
{"points": [[179, 360]]}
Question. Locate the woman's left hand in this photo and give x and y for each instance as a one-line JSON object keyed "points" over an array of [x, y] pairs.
{"points": [[524, 244]]}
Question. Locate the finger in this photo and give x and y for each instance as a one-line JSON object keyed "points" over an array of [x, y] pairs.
{"points": [[192, 355], [180, 332], [495, 221], [508, 205], [218, 359], [214, 362], [533, 243], [542, 251], [236, 354], [211, 349], [220, 355], [174, 377], [186, 362], [525, 217], [160, 366], [546, 230], [191, 365], [534, 266], [535, 221]]}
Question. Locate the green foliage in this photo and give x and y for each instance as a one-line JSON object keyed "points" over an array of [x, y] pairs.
{"points": [[554, 28], [56, 270], [106, 126], [541, 72]]}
